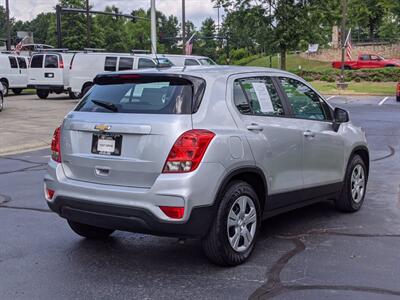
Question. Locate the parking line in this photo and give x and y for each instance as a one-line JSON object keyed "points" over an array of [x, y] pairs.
{"points": [[329, 98], [383, 101]]}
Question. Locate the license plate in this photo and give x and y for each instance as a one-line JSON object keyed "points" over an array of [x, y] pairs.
{"points": [[107, 144]]}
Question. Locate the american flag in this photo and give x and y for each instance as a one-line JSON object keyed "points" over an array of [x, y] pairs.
{"points": [[349, 47], [18, 47], [189, 45]]}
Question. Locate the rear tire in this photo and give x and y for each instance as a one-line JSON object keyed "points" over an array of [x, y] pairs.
{"points": [[5, 85], [86, 89], [398, 98], [88, 231], [17, 91], [42, 94], [354, 187], [73, 95], [233, 234], [1, 102]]}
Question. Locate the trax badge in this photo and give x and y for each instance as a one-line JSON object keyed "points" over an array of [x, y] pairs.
{"points": [[102, 127]]}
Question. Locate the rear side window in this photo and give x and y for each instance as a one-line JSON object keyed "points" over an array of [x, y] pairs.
{"points": [[22, 63], [51, 61], [146, 95], [207, 62], [191, 62], [13, 62], [125, 63], [257, 96], [110, 64], [146, 63], [37, 61]]}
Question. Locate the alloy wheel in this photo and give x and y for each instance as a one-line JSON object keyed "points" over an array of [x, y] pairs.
{"points": [[358, 183]]}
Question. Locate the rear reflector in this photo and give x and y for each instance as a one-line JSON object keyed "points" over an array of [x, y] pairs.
{"points": [[173, 212], [188, 151]]}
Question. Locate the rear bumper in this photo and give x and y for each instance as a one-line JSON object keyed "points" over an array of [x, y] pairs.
{"points": [[47, 87], [132, 219]]}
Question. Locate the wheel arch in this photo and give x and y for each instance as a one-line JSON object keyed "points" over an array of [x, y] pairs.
{"points": [[363, 152], [3, 79], [253, 175], [87, 83]]}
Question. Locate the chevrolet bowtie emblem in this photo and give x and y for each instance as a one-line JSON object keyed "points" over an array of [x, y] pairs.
{"points": [[102, 127]]}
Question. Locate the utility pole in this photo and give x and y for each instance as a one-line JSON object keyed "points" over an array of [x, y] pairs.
{"points": [[8, 27], [183, 27], [153, 27], [218, 7], [343, 41], [87, 24]]}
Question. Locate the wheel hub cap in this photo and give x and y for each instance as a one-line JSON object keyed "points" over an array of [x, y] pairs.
{"points": [[358, 183], [242, 223]]}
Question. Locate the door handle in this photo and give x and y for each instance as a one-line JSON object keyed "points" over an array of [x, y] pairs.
{"points": [[254, 127], [309, 133]]}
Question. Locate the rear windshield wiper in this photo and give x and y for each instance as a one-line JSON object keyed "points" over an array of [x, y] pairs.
{"points": [[106, 105]]}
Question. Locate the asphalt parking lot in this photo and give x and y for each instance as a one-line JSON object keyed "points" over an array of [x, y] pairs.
{"points": [[310, 253]]}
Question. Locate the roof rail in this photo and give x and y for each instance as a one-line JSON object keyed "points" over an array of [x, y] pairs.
{"points": [[138, 51], [53, 50], [94, 50]]}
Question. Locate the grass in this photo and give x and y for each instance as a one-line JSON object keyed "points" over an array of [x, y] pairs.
{"points": [[293, 61], [357, 88]]}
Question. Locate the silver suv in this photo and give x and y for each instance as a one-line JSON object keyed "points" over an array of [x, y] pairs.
{"points": [[206, 152]]}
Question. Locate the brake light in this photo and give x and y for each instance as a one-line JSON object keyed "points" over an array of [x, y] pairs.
{"points": [[173, 212], [61, 63], [56, 145], [188, 151], [49, 193]]}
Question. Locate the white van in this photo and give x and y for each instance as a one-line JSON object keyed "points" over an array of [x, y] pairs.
{"points": [[189, 60], [49, 73], [13, 73], [85, 66]]}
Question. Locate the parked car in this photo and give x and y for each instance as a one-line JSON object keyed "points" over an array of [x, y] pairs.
{"points": [[13, 73], [189, 60], [1, 97], [365, 61], [49, 73], [398, 92], [205, 152], [85, 66]]}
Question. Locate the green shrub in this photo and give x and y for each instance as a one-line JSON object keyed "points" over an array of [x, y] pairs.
{"points": [[239, 54]]}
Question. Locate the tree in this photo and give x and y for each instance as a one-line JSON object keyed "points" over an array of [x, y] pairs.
{"points": [[168, 33], [206, 40]]}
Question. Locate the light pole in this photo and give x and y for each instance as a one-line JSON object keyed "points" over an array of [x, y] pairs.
{"points": [[8, 27], [153, 27], [343, 41], [87, 24], [183, 27]]}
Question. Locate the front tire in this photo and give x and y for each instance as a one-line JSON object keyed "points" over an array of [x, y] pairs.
{"points": [[355, 185], [233, 234], [42, 94], [88, 231]]}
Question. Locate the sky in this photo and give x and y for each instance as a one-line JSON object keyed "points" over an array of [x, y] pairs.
{"points": [[196, 10]]}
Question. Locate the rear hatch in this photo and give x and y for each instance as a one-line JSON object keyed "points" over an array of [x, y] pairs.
{"points": [[122, 131]]}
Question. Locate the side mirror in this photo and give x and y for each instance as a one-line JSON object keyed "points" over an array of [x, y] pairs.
{"points": [[340, 116]]}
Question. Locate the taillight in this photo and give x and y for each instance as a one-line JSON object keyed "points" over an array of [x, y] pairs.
{"points": [[49, 193], [56, 145], [188, 151], [173, 212], [61, 63]]}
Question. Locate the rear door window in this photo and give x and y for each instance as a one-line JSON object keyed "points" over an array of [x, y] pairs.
{"points": [[37, 61], [154, 95], [125, 63], [110, 64], [257, 96], [146, 63], [22, 63], [191, 62], [13, 62], [51, 61]]}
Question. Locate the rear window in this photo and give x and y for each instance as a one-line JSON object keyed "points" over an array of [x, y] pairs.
{"points": [[37, 61], [110, 64], [147, 95], [22, 62], [125, 63], [51, 61], [13, 62]]}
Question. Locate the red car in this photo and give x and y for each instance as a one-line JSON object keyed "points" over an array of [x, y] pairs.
{"points": [[367, 61]]}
